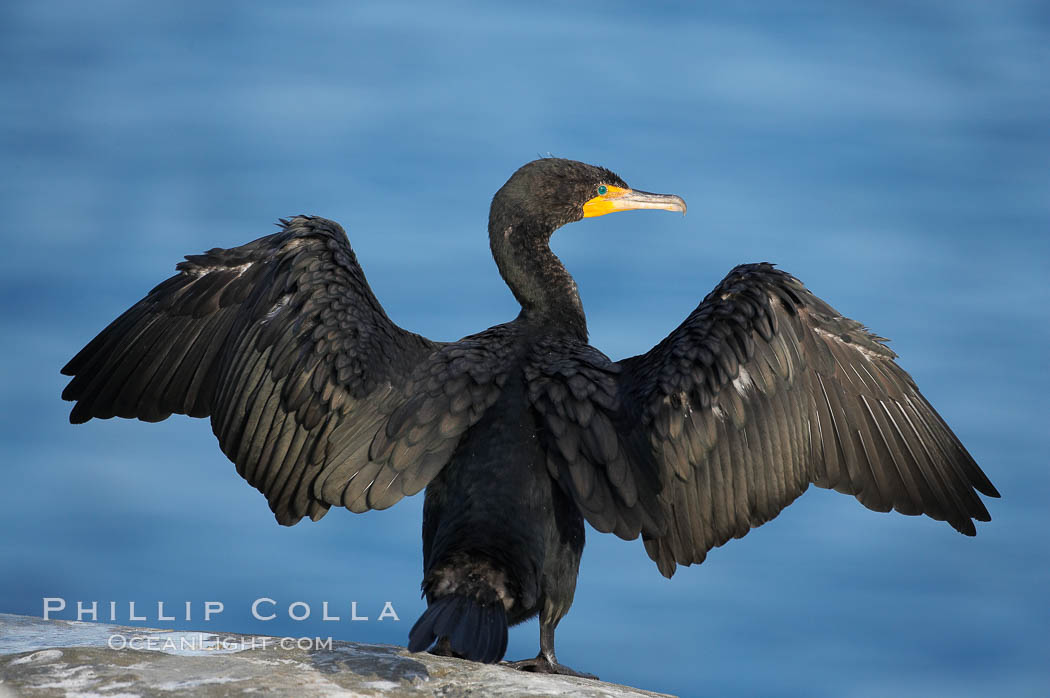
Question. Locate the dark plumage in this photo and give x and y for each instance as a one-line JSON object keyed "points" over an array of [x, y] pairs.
{"points": [[522, 431]]}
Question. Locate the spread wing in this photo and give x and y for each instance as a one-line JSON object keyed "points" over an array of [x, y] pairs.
{"points": [[313, 392], [763, 390]]}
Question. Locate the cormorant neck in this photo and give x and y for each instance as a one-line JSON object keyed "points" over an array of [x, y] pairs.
{"points": [[544, 288]]}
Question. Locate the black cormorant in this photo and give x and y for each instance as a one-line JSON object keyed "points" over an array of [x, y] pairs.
{"points": [[523, 431]]}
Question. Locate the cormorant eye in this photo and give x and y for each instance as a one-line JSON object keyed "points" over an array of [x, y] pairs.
{"points": [[602, 190]]}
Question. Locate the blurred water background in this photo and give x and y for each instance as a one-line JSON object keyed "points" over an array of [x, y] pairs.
{"points": [[895, 156]]}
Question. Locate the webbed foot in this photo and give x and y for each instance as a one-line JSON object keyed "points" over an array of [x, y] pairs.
{"points": [[540, 664]]}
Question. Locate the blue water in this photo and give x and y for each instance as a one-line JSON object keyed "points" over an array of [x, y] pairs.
{"points": [[894, 156]]}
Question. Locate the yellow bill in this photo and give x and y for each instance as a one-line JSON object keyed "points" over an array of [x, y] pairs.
{"points": [[620, 199]]}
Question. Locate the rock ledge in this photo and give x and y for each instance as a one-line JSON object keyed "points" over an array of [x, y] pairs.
{"points": [[55, 657]]}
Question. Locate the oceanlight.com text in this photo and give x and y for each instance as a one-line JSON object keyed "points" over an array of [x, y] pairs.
{"points": [[205, 642]]}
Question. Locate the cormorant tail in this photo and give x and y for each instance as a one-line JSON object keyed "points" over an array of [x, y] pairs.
{"points": [[475, 631]]}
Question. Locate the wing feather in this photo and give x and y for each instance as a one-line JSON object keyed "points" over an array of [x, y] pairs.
{"points": [[801, 395], [762, 391], [316, 396]]}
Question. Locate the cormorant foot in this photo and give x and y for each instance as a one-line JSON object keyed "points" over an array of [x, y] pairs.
{"points": [[541, 665]]}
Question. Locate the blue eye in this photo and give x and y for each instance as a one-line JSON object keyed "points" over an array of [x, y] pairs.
{"points": [[602, 190]]}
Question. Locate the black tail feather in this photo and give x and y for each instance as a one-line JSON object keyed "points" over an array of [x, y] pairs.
{"points": [[475, 631]]}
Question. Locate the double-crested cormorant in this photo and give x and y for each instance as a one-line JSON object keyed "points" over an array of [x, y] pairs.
{"points": [[523, 431]]}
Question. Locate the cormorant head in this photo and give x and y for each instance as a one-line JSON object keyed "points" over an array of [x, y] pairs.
{"points": [[546, 194]]}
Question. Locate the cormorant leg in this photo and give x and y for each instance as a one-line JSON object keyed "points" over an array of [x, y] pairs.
{"points": [[546, 662]]}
